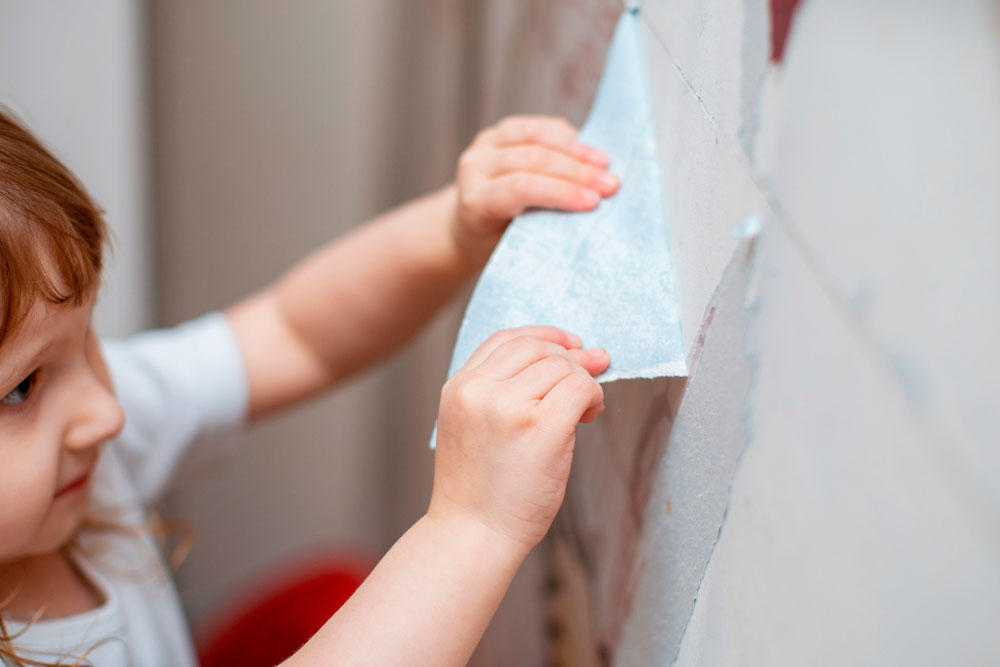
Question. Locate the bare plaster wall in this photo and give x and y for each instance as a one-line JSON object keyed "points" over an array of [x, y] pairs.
{"points": [[825, 486]]}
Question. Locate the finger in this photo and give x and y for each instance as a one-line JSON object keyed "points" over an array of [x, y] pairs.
{"points": [[515, 355], [591, 414], [556, 133], [552, 334], [510, 195], [594, 360], [537, 379], [548, 162], [571, 400]]}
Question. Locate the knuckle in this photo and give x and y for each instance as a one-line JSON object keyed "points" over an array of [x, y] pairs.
{"points": [[469, 198], [500, 337], [532, 130], [556, 333], [515, 413], [466, 160], [593, 384], [449, 406], [581, 382], [445, 393], [508, 124], [467, 395], [507, 409], [482, 136], [521, 343], [596, 388], [561, 364]]}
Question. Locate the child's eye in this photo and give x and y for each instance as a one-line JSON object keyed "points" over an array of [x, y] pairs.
{"points": [[20, 393]]}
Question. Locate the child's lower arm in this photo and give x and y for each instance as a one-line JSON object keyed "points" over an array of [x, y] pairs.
{"points": [[506, 434], [351, 303], [426, 603]]}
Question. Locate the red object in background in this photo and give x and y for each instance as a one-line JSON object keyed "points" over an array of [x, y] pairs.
{"points": [[274, 625], [782, 12]]}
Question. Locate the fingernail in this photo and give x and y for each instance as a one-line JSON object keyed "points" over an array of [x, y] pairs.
{"points": [[598, 354], [591, 198], [574, 340], [608, 181]]}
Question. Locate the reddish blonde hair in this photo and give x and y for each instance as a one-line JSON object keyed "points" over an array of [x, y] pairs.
{"points": [[52, 238], [46, 220]]}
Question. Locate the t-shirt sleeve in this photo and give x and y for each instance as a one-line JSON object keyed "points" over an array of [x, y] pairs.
{"points": [[183, 390]]}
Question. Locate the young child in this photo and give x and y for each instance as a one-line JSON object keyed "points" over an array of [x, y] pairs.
{"points": [[90, 432]]}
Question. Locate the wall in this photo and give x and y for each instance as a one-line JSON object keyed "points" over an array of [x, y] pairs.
{"points": [[92, 112], [275, 132], [824, 490]]}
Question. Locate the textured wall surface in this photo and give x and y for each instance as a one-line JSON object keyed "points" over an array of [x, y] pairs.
{"points": [[825, 490]]}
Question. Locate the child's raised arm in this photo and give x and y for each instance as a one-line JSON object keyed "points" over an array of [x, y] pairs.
{"points": [[362, 296], [506, 433]]}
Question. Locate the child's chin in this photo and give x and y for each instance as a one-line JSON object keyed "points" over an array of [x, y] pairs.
{"points": [[62, 527]]}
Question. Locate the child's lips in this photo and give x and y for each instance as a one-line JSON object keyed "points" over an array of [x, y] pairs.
{"points": [[76, 484]]}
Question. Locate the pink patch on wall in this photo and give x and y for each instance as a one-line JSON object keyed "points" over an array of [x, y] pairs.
{"points": [[782, 12]]}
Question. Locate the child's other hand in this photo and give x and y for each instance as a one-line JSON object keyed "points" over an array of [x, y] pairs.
{"points": [[521, 162], [507, 428]]}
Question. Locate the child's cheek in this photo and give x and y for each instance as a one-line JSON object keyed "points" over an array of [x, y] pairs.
{"points": [[27, 489], [22, 518]]}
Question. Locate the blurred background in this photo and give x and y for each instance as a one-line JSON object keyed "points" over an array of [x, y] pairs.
{"points": [[227, 139]]}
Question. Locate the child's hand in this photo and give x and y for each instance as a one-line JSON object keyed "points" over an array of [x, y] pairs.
{"points": [[507, 427], [523, 161]]}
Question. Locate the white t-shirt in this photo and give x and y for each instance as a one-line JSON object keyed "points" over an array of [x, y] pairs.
{"points": [[182, 389]]}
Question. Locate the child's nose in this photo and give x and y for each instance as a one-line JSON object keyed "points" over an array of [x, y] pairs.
{"points": [[99, 417]]}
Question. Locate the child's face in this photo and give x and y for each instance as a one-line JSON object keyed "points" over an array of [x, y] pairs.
{"points": [[56, 410]]}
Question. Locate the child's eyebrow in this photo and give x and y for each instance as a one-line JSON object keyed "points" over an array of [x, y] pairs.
{"points": [[12, 374]]}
